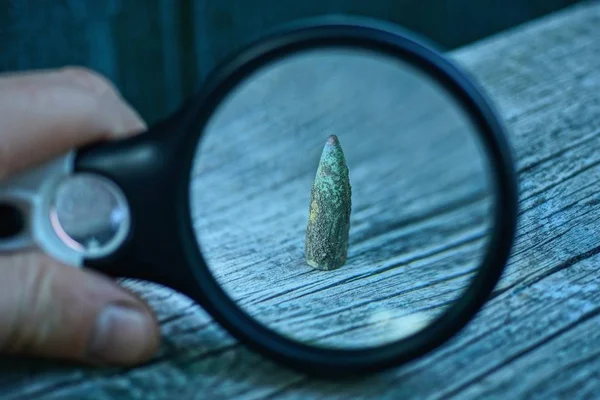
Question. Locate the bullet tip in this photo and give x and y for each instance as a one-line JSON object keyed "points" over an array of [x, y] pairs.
{"points": [[333, 140]]}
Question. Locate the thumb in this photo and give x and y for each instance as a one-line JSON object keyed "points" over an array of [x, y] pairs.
{"points": [[51, 310]]}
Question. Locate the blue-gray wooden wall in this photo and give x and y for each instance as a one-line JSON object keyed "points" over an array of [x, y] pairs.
{"points": [[158, 51]]}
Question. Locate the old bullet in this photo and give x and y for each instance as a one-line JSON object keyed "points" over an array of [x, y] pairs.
{"points": [[328, 227]]}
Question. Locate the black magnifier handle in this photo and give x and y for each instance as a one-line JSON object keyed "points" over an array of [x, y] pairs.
{"points": [[148, 169]]}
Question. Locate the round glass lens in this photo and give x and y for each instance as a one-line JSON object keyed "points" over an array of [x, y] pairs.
{"points": [[342, 198], [89, 214]]}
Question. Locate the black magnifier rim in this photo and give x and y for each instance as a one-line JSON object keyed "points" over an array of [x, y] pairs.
{"points": [[355, 33]]}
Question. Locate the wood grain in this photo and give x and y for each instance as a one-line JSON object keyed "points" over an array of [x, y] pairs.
{"points": [[536, 338]]}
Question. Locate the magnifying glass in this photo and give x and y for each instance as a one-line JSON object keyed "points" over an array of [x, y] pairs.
{"points": [[339, 196]]}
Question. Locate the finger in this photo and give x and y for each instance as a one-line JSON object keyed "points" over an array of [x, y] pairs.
{"points": [[45, 114], [51, 310]]}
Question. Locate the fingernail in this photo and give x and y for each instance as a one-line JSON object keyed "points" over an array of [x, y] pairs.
{"points": [[132, 123], [125, 122], [123, 335]]}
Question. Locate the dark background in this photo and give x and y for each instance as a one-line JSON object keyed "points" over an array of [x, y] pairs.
{"points": [[158, 51]]}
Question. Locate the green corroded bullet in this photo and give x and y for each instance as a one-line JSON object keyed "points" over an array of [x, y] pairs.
{"points": [[330, 205]]}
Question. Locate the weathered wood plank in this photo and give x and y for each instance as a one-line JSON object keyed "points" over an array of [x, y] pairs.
{"points": [[535, 339]]}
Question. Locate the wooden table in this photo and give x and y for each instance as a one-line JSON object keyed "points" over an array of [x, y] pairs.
{"points": [[537, 337]]}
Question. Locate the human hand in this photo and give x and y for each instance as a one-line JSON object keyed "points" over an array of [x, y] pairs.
{"points": [[48, 309]]}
